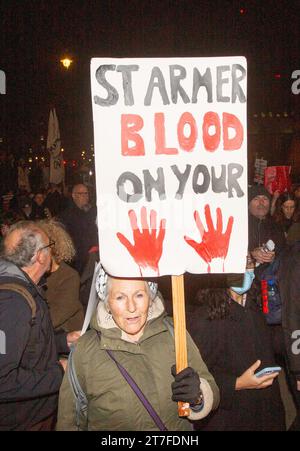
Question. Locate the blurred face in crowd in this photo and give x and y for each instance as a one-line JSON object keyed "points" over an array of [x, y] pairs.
{"points": [[297, 192], [259, 206], [288, 208], [39, 199], [80, 196], [129, 303]]}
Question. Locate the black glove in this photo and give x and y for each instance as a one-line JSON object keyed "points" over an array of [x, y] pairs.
{"points": [[186, 387]]}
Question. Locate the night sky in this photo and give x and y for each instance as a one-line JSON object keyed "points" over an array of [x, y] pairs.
{"points": [[35, 35]]}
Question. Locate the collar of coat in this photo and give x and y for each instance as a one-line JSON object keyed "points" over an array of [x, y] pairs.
{"points": [[9, 272]]}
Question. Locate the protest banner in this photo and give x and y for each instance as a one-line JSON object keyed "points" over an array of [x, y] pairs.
{"points": [[171, 170], [278, 178], [57, 169], [171, 164]]}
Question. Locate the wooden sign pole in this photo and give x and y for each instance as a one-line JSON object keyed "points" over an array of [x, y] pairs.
{"points": [[180, 333]]}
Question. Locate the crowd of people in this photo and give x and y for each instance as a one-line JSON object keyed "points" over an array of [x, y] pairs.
{"points": [[120, 374]]}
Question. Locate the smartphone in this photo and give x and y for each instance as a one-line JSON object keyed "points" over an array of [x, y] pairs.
{"points": [[269, 370], [269, 246]]}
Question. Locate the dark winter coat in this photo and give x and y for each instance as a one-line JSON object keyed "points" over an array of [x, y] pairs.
{"points": [[30, 374], [289, 283], [262, 230], [81, 225], [229, 347], [112, 404]]}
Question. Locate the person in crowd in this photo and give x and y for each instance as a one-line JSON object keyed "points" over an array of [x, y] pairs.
{"points": [[286, 211], [262, 228], [9, 202], [63, 282], [25, 208], [55, 201], [289, 282], [7, 173], [130, 323], [274, 200], [296, 191], [36, 175], [7, 219], [23, 177], [39, 210], [230, 331], [293, 233], [80, 222], [30, 372]]}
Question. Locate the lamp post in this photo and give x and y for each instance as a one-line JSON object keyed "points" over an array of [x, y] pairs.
{"points": [[66, 62]]}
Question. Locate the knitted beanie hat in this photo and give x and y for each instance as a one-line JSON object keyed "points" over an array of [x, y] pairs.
{"points": [[257, 190]]}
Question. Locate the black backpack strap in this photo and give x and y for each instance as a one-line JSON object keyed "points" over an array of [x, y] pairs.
{"points": [[17, 288]]}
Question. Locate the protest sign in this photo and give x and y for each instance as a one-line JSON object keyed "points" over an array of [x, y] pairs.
{"points": [[171, 164], [277, 178]]}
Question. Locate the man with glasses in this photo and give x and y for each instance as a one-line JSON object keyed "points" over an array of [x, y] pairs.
{"points": [[30, 372], [80, 222]]}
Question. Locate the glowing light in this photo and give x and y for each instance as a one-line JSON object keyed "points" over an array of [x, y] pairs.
{"points": [[66, 62], [278, 76]]}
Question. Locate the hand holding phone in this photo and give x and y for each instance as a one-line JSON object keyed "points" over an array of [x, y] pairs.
{"points": [[260, 380], [268, 370]]}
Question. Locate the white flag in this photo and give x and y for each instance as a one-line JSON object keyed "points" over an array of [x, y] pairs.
{"points": [[57, 170]]}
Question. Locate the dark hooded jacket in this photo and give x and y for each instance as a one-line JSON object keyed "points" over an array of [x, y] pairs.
{"points": [[229, 346], [30, 374], [81, 225], [289, 283], [263, 230]]}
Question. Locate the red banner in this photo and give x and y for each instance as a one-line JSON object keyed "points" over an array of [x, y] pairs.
{"points": [[277, 178]]}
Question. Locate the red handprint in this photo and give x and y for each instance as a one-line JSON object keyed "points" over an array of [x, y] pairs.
{"points": [[214, 243], [147, 247]]}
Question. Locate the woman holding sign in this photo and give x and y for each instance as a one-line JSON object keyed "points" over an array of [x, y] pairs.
{"points": [[125, 367]]}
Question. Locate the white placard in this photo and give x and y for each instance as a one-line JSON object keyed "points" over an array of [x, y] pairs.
{"points": [[171, 164]]}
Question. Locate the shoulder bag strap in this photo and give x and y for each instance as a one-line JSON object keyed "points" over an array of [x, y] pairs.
{"points": [[139, 393], [24, 293]]}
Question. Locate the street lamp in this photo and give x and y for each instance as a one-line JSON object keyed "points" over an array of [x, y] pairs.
{"points": [[66, 62]]}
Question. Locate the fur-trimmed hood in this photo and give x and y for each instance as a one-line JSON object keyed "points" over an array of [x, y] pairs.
{"points": [[103, 321]]}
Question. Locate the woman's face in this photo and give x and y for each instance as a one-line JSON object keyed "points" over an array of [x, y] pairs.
{"points": [[288, 208], [129, 303]]}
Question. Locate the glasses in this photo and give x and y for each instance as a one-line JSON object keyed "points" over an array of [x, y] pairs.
{"points": [[52, 243]]}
